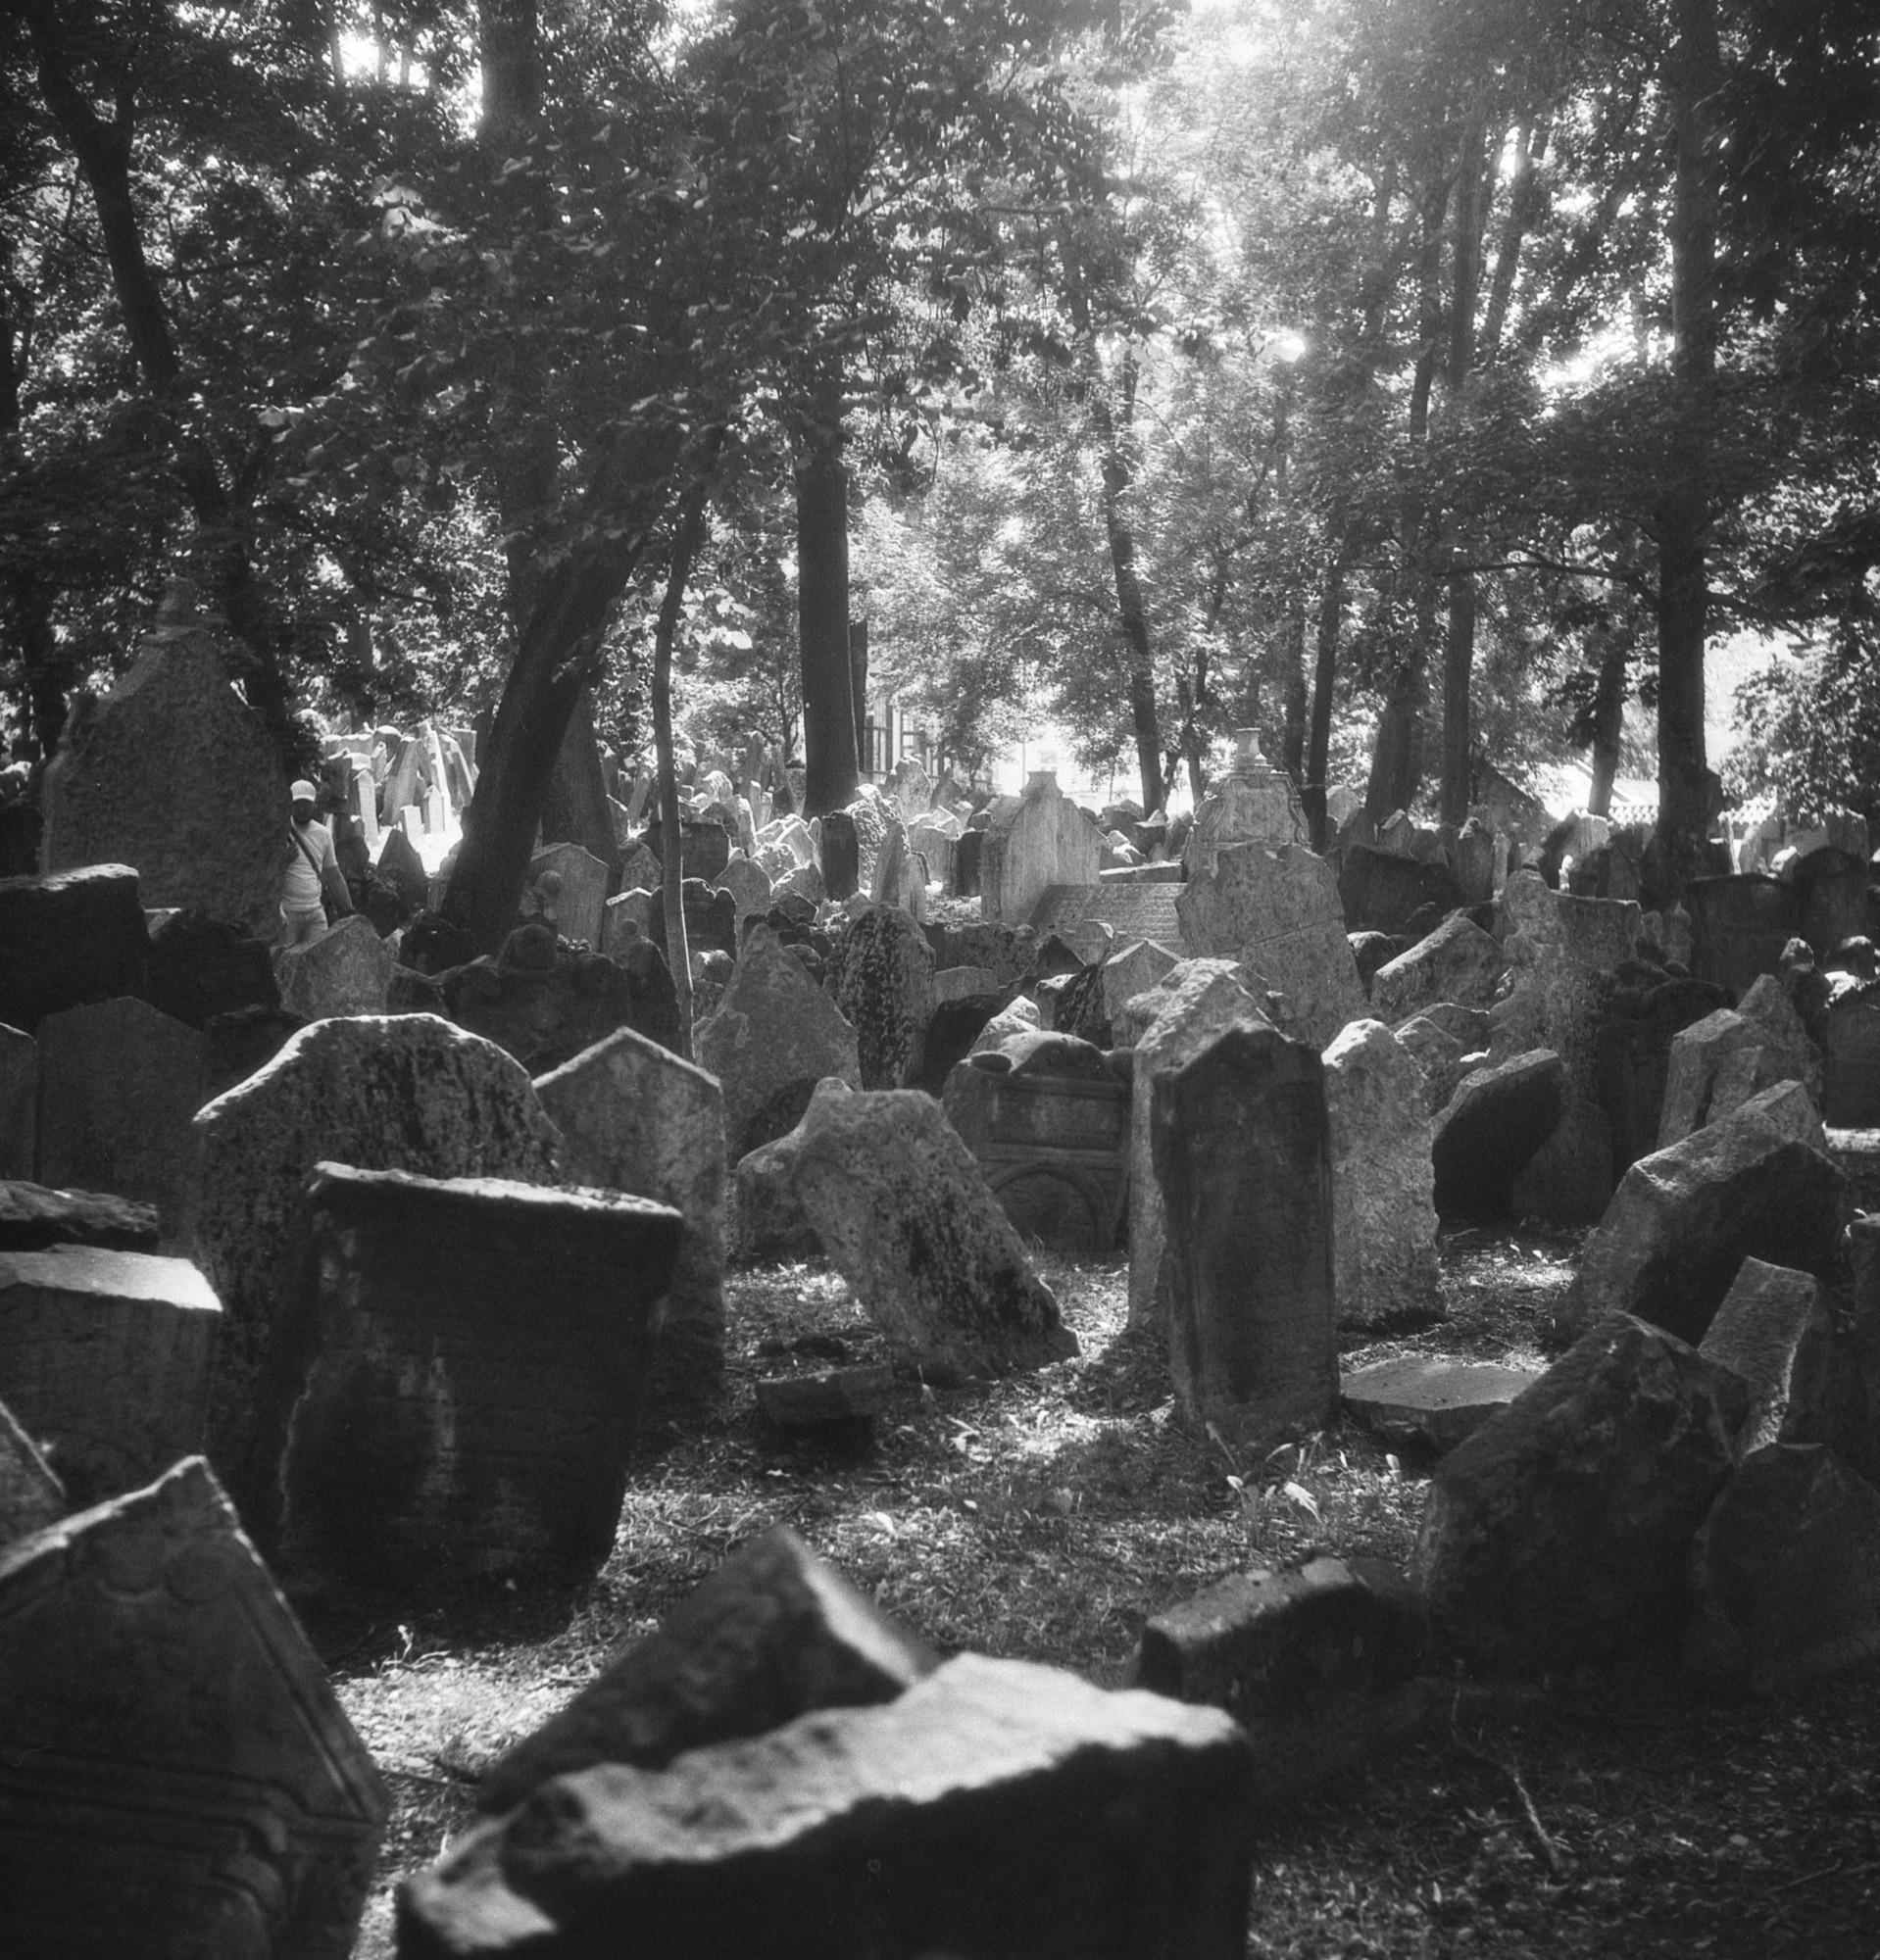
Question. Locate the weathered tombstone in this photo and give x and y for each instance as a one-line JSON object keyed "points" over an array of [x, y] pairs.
{"points": [[1128, 912], [1739, 927], [773, 1037], [710, 919], [1243, 1156], [69, 939], [119, 1083], [750, 889], [1490, 1131], [1381, 891], [1426, 1403], [1439, 1055], [883, 984], [31, 1495], [346, 970], [1684, 1219], [236, 1044], [1133, 969], [405, 1091], [839, 854], [1253, 804], [1383, 1215], [176, 776], [937, 846], [19, 1104], [1048, 1123], [1319, 1665], [996, 1807], [400, 868], [875, 819], [1556, 1533], [1459, 962], [1474, 861], [106, 1358], [1045, 840], [33, 1218], [545, 1002], [773, 1633], [1277, 913], [636, 1118], [201, 967], [575, 909], [1632, 1047], [961, 983], [215, 1801], [1850, 1062], [1776, 1330], [626, 916], [906, 1218], [474, 1355], [1170, 1023], [769, 1221]]}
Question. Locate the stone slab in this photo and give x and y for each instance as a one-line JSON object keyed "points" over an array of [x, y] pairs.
{"points": [[1429, 1403]]}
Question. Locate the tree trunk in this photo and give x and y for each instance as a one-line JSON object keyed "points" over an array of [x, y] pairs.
{"points": [[831, 769], [575, 808], [678, 954], [1608, 721], [1132, 617], [1397, 761], [509, 42], [1292, 747], [858, 686], [1331, 610], [1459, 665]]}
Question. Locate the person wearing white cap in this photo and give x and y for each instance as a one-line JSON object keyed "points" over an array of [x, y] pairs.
{"points": [[313, 877]]}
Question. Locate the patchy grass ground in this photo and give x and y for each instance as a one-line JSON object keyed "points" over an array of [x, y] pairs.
{"points": [[1048, 1517]]}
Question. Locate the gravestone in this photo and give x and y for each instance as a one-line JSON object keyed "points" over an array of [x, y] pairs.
{"points": [[964, 983], [201, 967], [1459, 962], [119, 1083], [1253, 804], [544, 1003], [1133, 969], [1048, 1123], [634, 1118], [750, 889], [1380, 891], [215, 1801], [176, 776], [1491, 1130], [1850, 1059], [1776, 1330], [575, 909], [875, 820], [773, 1037], [1632, 1049], [769, 1221], [19, 1104], [346, 970], [839, 856], [105, 1359], [33, 1218], [1170, 1024], [236, 1044], [1045, 840], [474, 1355], [710, 919], [1277, 913], [627, 915], [882, 982], [400, 868], [937, 844], [1439, 1055], [997, 1807], [404, 1091], [1130, 913], [773, 1633], [31, 1495], [1739, 927], [1425, 1402], [1243, 1156], [905, 1216], [69, 939], [1383, 1210]]}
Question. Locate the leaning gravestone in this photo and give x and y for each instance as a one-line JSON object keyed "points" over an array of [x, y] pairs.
{"points": [[106, 1357], [69, 939], [176, 1776], [774, 1036], [1459, 962], [1383, 1210], [174, 775], [634, 1118], [883, 984], [427, 1433], [119, 1083], [1775, 1329], [404, 1091], [1243, 1156], [1490, 1130], [906, 1218], [346, 970]]}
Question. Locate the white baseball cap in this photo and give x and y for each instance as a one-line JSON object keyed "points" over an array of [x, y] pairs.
{"points": [[302, 792]]}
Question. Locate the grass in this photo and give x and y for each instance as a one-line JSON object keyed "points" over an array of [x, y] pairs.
{"points": [[1048, 1516]]}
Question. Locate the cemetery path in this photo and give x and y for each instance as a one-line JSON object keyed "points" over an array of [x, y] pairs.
{"points": [[1048, 1516]]}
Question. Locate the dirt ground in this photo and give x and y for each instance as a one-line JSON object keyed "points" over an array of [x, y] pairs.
{"points": [[1048, 1517]]}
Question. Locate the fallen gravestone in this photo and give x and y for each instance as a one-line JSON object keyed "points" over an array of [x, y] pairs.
{"points": [[827, 1398], [1459, 962], [996, 1807], [105, 1359], [636, 1118], [905, 1216], [406, 1092], [882, 982], [1556, 1533], [31, 1495], [1319, 1665], [773, 1633], [69, 939], [1243, 1156], [1426, 1403], [1490, 1130], [176, 1776]]}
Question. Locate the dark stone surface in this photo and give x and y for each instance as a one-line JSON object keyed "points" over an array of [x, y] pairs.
{"points": [[1632, 1050], [199, 966], [176, 1776], [710, 919], [545, 1002], [1739, 926], [403, 869], [456, 1394], [1490, 1130], [956, 1025], [831, 1395], [773, 1633], [69, 939], [33, 1217], [881, 978], [433, 943], [1374, 951], [236, 1044], [1380, 891], [839, 856]]}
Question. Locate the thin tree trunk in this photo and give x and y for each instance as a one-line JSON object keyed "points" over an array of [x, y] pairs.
{"points": [[1526, 204], [1459, 665], [858, 687], [1331, 610], [1132, 613], [689, 535], [830, 730], [1292, 748], [1608, 721]]}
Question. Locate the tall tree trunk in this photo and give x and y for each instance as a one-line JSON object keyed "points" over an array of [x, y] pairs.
{"points": [[1608, 720], [1459, 665], [858, 687], [1683, 513], [575, 808], [1318, 753], [1132, 613], [1292, 747], [1526, 204], [689, 535], [831, 769]]}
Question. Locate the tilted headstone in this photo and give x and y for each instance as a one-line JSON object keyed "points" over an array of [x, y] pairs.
{"points": [[575, 909], [1490, 1131], [883, 984], [1383, 1210], [1132, 969], [905, 1216], [1253, 804], [400, 868], [1776, 1330], [773, 1633], [406, 1092], [1739, 927], [174, 775], [937, 846], [68, 939], [475, 1356], [771, 1221], [1045, 840], [997, 1807], [1437, 1053], [1459, 962], [31, 1495], [19, 1104], [119, 1083], [636, 1118], [346, 970], [215, 1800], [774, 1036], [1278, 914], [105, 1359], [839, 854]]}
